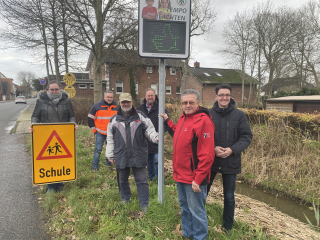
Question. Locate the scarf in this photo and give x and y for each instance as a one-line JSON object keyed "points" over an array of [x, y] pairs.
{"points": [[55, 98]]}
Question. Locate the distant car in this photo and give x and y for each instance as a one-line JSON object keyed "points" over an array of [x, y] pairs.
{"points": [[21, 99]]}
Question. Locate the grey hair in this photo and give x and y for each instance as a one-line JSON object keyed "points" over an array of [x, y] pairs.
{"points": [[190, 91], [150, 89], [108, 92]]}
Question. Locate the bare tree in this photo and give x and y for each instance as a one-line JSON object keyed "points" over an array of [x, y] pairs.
{"points": [[202, 19], [26, 80]]}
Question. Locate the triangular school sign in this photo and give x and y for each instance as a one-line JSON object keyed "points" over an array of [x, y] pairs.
{"points": [[46, 145]]}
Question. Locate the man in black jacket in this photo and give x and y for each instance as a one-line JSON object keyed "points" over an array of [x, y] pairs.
{"points": [[232, 136], [150, 108]]}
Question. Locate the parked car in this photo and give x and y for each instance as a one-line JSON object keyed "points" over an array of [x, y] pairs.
{"points": [[21, 99]]}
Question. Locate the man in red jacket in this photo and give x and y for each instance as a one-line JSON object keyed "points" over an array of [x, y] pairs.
{"points": [[193, 155], [98, 120]]}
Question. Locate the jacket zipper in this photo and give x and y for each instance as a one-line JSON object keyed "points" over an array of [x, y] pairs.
{"points": [[178, 137]]}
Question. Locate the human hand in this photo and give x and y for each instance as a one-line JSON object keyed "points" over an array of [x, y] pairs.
{"points": [[164, 115], [223, 152], [111, 160], [195, 187], [218, 151], [30, 130], [76, 127]]}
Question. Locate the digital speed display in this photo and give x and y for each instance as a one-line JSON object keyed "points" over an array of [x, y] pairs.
{"points": [[164, 37]]}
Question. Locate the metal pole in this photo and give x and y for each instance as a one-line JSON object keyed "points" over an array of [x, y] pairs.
{"points": [[161, 130]]}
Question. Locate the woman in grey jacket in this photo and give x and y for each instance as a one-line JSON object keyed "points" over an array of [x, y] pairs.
{"points": [[53, 106]]}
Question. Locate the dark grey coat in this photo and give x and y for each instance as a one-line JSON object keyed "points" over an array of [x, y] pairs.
{"points": [[232, 130], [46, 111], [128, 139]]}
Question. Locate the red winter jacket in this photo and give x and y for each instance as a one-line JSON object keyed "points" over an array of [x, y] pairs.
{"points": [[193, 147]]}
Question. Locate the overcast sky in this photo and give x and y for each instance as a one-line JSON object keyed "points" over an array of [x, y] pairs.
{"points": [[204, 47]]}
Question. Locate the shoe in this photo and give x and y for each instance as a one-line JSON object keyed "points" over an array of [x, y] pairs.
{"points": [[144, 209], [51, 190], [228, 232], [178, 233], [95, 169], [124, 202]]}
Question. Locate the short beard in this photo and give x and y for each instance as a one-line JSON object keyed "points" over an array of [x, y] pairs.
{"points": [[126, 111]]}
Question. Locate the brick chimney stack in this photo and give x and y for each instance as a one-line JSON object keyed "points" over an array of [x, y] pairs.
{"points": [[196, 64]]}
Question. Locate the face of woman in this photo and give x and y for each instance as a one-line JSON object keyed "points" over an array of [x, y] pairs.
{"points": [[54, 88], [164, 3]]}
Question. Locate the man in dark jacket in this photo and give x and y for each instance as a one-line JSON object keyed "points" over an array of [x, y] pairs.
{"points": [[128, 132], [191, 162], [232, 136], [98, 120], [150, 107]]}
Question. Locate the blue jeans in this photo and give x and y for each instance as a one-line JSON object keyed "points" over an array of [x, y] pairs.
{"points": [[193, 211], [229, 187], [152, 165], [140, 176], [100, 139]]}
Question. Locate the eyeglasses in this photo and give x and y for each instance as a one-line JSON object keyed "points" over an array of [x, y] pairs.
{"points": [[186, 103], [54, 90], [224, 95]]}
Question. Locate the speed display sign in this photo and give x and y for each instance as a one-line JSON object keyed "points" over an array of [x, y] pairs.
{"points": [[164, 28]]}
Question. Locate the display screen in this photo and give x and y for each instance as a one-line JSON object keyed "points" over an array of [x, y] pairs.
{"points": [[164, 37]]}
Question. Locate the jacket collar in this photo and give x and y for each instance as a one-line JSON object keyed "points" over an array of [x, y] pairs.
{"points": [[230, 107], [155, 104]]}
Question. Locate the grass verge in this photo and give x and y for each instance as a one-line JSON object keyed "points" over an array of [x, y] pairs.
{"points": [[88, 208]]}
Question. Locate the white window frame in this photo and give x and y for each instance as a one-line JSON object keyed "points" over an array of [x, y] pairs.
{"points": [[83, 87], [173, 71], [92, 68], [154, 86], [179, 90], [137, 87], [117, 85], [168, 88], [91, 86], [149, 69]]}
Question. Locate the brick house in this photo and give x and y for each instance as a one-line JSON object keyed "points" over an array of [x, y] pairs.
{"points": [[117, 65], [8, 92], [83, 85], [205, 81]]}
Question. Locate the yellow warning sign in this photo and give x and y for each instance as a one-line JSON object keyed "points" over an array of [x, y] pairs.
{"points": [[53, 153], [69, 79], [71, 91]]}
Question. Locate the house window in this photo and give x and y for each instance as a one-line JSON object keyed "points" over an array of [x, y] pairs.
{"points": [[149, 69], [119, 87], [106, 70], [178, 90], [91, 86], [82, 86], [173, 71], [136, 83], [154, 87], [168, 90]]}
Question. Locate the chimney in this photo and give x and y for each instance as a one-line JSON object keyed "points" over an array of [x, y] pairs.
{"points": [[196, 64]]}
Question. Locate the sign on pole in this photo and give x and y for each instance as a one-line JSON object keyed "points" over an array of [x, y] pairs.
{"points": [[69, 79], [53, 153], [164, 28], [43, 82], [71, 91]]}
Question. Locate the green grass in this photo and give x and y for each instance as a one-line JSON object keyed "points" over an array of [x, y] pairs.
{"points": [[88, 208]]}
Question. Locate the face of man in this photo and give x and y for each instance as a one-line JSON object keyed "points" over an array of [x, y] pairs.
{"points": [[126, 106], [189, 103], [150, 97], [108, 97], [223, 98]]}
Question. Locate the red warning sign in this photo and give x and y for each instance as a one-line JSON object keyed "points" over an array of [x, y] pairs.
{"points": [[54, 149]]}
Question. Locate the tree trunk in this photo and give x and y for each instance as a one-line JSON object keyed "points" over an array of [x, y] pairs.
{"points": [[184, 75], [55, 40], [65, 38]]}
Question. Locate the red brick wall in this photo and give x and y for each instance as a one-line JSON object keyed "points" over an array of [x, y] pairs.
{"points": [[209, 92], [9, 81]]}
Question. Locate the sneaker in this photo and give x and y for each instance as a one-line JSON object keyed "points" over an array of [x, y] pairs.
{"points": [[51, 190], [95, 170], [228, 232], [124, 202], [144, 209], [177, 232]]}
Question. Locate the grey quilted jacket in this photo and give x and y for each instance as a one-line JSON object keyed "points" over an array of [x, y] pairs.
{"points": [[128, 139]]}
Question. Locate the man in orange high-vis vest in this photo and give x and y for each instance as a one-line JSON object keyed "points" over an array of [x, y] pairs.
{"points": [[98, 120]]}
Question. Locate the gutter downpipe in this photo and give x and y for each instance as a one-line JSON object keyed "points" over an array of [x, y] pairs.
{"points": [[202, 93]]}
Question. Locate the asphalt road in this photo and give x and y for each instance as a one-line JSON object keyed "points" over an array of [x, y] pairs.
{"points": [[20, 215]]}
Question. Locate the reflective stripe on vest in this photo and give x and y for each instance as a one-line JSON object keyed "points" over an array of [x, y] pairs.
{"points": [[100, 131], [103, 117], [91, 116]]}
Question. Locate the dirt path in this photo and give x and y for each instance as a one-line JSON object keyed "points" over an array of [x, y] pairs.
{"points": [[255, 213]]}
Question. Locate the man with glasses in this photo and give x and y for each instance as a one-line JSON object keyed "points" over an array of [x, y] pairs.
{"points": [[193, 139], [98, 120], [232, 136]]}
